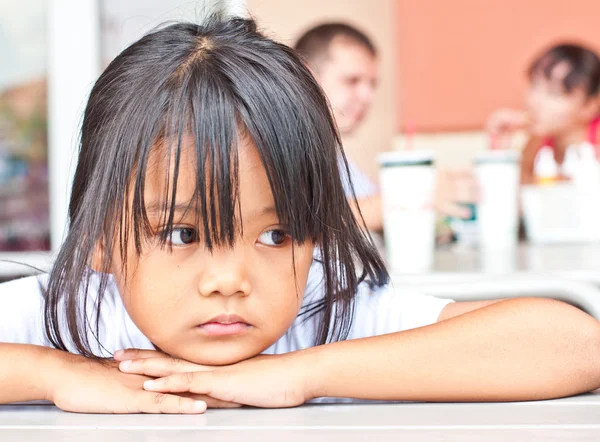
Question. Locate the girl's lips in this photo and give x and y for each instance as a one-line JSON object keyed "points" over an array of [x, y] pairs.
{"points": [[225, 324], [224, 329], [227, 318]]}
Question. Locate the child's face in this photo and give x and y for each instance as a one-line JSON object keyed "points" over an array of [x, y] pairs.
{"points": [[553, 110], [222, 307]]}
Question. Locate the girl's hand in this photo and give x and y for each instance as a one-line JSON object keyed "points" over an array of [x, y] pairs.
{"points": [[263, 381], [157, 364], [82, 385], [507, 121]]}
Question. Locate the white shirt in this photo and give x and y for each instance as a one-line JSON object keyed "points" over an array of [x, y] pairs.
{"points": [[363, 186], [579, 164]]}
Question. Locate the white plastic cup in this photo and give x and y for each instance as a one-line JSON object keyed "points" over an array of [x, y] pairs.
{"points": [[497, 173], [407, 181]]}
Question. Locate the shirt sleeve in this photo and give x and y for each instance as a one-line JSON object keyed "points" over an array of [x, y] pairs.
{"points": [[21, 311], [22, 317], [363, 185], [388, 310], [376, 312]]}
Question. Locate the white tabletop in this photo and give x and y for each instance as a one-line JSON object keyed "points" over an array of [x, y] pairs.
{"points": [[458, 263], [24, 263], [525, 258], [575, 418]]}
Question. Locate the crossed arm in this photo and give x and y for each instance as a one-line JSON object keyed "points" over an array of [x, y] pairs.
{"points": [[518, 349]]}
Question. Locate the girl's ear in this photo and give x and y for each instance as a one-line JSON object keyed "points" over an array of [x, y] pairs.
{"points": [[98, 255]]}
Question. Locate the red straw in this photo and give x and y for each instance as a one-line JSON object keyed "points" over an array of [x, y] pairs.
{"points": [[494, 143]]}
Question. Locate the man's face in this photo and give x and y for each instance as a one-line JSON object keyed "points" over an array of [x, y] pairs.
{"points": [[349, 77]]}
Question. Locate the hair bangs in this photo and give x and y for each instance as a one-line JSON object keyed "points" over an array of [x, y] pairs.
{"points": [[199, 132], [545, 67], [583, 67]]}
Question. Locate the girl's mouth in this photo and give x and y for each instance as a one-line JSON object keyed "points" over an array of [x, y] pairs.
{"points": [[225, 325]]}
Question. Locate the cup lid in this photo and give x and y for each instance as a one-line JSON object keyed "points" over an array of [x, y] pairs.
{"points": [[405, 158], [497, 156]]}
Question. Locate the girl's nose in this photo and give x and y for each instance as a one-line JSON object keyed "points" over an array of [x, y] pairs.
{"points": [[225, 275]]}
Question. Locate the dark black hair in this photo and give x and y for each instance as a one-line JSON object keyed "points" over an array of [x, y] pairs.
{"points": [[313, 45], [584, 67], [212, 82]]}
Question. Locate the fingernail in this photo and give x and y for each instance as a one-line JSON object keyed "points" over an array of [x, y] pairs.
{"points": [[200, 405], [125, 365], [119, 353], [149, 385]]}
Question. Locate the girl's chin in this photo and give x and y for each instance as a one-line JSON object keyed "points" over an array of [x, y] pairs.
{"points": [[220, 359]]}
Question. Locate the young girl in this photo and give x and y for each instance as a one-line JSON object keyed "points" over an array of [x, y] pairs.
{"points": [[562, 117], [211, 239]]}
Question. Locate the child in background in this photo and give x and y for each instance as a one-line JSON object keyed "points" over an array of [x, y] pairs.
{"points": [[212, 259], [562, 117]]}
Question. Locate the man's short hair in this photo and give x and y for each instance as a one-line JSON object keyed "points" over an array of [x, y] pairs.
{"points": [[313, 45]]}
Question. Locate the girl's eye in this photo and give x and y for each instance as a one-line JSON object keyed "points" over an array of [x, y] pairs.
{"points": [[275, 237], [182, 236]]}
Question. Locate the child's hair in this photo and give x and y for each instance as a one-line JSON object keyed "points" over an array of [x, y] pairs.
{"points": [[211, 82], [584, 67]]}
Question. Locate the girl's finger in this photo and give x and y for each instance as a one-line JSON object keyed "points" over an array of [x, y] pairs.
{"points": [[217, 403], [160, 367], [198, 382], [212, 402], [168, 404], [136, 353]]}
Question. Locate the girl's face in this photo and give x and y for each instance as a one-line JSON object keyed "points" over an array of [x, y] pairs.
{"points": [[553, 110], [222, 307]]}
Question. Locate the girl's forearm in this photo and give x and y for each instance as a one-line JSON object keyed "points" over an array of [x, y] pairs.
{"points": [[523, 349], [24, 372]]}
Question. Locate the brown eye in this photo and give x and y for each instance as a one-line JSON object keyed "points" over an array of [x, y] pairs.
{"points": [[183, 236], [275, 237]]}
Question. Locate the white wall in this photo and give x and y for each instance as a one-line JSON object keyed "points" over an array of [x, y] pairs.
{"points": [[73, 66]]}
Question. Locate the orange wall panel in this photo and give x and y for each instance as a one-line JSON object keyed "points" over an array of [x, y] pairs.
{"points": [[459, 60]]}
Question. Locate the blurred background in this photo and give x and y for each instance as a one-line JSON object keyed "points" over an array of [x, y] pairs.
{"points": [[24, 214], [443, 68]]}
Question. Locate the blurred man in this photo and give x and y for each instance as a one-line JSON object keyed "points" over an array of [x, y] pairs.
{"points": [[344, 61]]}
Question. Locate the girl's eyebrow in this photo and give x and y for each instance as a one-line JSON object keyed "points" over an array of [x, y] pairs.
{"points": [[266, 210], [157, 207]]}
